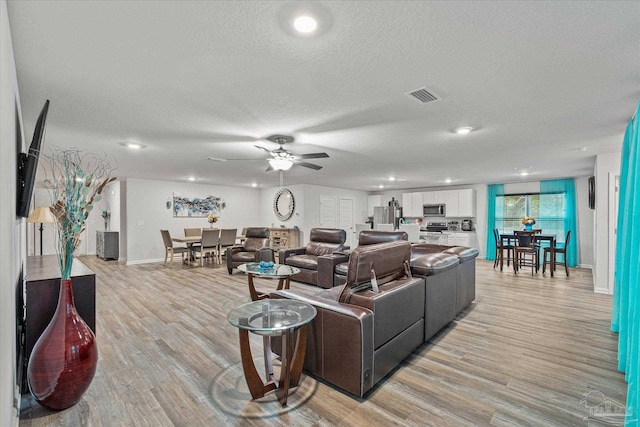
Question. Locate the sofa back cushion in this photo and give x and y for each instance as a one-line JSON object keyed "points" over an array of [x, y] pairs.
{"points": [[371, 237], [323, 241], [256, 238], [387, 260]]}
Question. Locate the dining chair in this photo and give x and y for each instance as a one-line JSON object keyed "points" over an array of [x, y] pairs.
{"points": [[526, 251], [193, 232], [501, 245], [170, 249], [210, 244], [227, 239], [557, 249]]}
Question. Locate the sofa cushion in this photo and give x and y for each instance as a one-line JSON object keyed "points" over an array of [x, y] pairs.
{"points": [[371, 237], [308, 262], [432, 264], [323, 248], [328, 235], [465, 254], [342, 268], [243, 257]]}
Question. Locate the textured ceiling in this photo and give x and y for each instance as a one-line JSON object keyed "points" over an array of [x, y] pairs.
{"points": [[197, 79]]}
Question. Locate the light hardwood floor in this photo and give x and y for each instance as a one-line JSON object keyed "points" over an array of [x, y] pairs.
{"points": [[525, 353]]}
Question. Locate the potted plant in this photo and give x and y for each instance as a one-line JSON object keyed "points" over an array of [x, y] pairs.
{"points": [[64, 359]]}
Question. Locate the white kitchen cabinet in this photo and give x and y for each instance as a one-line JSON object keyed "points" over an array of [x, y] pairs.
{"points": [[439, 197], [467, 203], [407, 204], [444, 239], [373, 201], [451, 203], [427, 198], [416, 205]]}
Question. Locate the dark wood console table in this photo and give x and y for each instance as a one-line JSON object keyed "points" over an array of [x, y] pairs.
{"points": [[41, 298]]}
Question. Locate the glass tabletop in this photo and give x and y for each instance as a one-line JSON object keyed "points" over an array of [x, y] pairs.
{"points": [[271, 316], [276, 271]]}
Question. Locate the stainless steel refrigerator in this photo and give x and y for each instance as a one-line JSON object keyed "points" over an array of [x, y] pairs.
{"points": [[386, 215]]}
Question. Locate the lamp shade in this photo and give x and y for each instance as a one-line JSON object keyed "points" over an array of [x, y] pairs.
{"points": [[41, 214], [281, 164]]}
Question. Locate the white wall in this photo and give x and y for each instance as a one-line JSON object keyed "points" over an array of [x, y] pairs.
{"points": [[12, 229], [307, 206], [605, 164], [585, 222], [146, 213]]}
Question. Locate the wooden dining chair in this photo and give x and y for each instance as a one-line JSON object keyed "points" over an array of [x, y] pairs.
{"points": [[227, 239], [169, 249], [501, 246], [527, 251], [193, 232], [210, 244], [557, 249]]}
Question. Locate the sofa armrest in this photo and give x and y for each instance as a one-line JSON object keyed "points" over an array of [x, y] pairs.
{"points": [[340, 342], [327, 266], [283, 254]]}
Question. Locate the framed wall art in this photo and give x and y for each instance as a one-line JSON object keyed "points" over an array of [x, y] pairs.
{"points": [[196, 207]]}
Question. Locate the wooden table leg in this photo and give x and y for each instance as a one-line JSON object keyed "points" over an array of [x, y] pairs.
{"points": [[255, 295], [552, 262], [257, 387], [297, 361], [285, 370]]}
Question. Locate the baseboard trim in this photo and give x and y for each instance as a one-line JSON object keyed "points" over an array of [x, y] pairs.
{"points": [[602, 291], [144, 261], [589, 266]]}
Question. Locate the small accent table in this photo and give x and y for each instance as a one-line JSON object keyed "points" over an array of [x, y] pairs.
{"points": [[269, 318], [279, 271]]}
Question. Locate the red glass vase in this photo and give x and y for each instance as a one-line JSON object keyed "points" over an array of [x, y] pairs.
{"points": [[64, 359]]}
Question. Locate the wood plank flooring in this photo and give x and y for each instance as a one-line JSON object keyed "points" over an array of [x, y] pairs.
{"points": [[524, 353]]}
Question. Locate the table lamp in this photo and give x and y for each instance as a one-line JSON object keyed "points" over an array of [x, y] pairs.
{"points": [[40, 214]]}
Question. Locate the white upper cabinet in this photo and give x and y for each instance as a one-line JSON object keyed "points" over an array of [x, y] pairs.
{"points": [[467, 203], [407, 204], [416, 204], [439, 197], [427, 198], [373, 201]]}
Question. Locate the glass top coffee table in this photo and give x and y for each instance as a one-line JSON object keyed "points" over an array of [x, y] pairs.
{"points": [[269, 318], [278, 271]]}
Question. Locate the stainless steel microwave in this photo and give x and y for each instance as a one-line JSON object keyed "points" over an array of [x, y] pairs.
{"points": [[434, 210]]}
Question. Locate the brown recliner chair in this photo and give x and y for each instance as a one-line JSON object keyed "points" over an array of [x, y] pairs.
{"points": [[255, 248], [318, 259], [367, 237], [359, 335]]}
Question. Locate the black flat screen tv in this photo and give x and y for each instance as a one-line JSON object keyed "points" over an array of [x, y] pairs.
{"points": [[28, 164]]}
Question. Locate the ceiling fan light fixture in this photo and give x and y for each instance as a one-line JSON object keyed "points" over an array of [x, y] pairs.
{"points": [[305, 24], [281, 164]]}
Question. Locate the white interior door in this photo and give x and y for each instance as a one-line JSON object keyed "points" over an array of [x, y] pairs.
{"points": [[614, 193], [328, 212], [346, 219]]}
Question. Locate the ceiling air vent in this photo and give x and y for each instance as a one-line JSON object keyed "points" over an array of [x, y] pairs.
{"points": [[422, 95]]}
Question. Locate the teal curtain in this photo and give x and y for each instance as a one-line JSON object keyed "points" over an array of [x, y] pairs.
{"points": [[568, 188], [625, 318], [493, 191]]}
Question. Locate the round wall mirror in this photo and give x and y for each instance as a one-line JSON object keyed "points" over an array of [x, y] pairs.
{"points": [[283, 204]]}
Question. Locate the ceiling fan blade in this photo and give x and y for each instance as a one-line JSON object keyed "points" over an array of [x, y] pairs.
{"points": [[216, 159], [308, 165], [269, 168], [262, 148], [311, 156]]}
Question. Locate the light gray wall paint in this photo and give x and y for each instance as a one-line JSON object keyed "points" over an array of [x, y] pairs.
{"points": [[12, 229], [146, 213]]}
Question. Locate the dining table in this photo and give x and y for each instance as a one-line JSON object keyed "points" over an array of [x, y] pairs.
{"points": [[189, 241], [507, 238]]}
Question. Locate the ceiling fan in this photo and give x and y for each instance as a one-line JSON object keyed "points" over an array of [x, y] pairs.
{"points": [[282, 159]]}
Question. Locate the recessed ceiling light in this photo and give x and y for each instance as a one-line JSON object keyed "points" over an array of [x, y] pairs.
{"points": [[463, 130], [524, 173], [380, 186], [254, 185], [132, 145], [392, 178], [191, 178], [305, 24], [448, 180], [581, 148]]}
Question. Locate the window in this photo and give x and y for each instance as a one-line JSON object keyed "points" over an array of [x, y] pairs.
{"points": [[549, 211]]}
